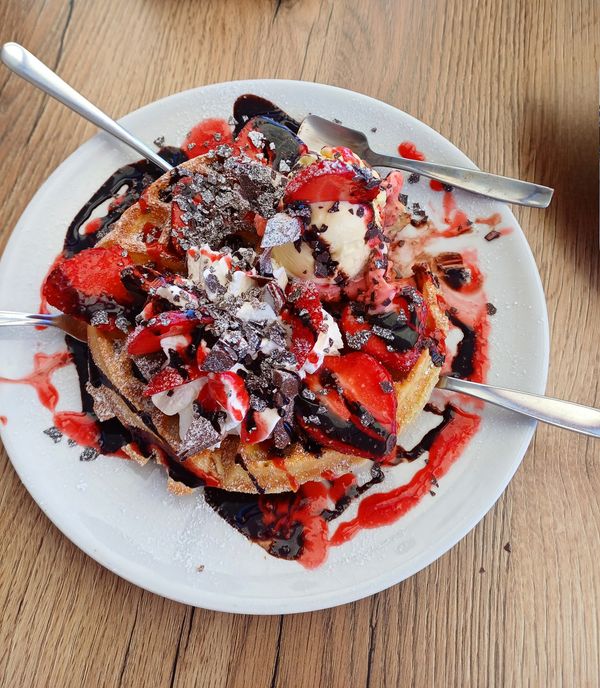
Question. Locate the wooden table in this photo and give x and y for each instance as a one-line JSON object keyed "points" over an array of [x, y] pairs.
{"points": [[514, 85]]}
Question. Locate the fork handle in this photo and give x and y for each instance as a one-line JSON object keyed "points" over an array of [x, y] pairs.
{"points": [[564, 414], [490, 185]]}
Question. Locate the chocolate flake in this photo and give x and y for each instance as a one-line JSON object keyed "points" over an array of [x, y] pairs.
{"points": [[88, 454], [494, 234], [220, 358], [358, 340], [287, 383], [281, 437], [54, 434], [491, 309], [281, 229], [200, 435]]}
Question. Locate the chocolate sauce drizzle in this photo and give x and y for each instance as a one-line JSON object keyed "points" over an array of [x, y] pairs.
{"points": [[463, 362], [426, 442], [276, 521], [135, 177], [248, 106]]}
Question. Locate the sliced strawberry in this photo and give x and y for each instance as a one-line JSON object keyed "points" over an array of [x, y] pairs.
{"points": [[251, 143], [403, 331], [170, 378], [206, 136], [201, 353], [354, 406], [303, 298], [332, 180], [258, 426], [146, 338], [226, 391], [230, 393], [88, 282], [303, 338]]}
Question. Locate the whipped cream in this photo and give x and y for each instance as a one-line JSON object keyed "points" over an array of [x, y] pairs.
{"points": [[344, 236]]}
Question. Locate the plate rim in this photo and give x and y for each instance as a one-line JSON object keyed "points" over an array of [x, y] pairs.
{"points": [[316, 601]]}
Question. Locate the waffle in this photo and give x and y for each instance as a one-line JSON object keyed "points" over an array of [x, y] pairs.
{"points": [[233, 466]]}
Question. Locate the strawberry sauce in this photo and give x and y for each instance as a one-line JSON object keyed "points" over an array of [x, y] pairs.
{"points": [[44, 366], [408, 150], [3, 420], [387, 507], [79, 427]]}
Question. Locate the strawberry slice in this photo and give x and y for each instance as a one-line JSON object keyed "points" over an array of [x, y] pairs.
{"points": [[303, 338], [258, 426], [251, 143], [332, 180], [225, 391], [170, 378], [350, 406], [305, 315], [145, 339], [305, 301], [397, 336], [206, 136], [88, 282]]}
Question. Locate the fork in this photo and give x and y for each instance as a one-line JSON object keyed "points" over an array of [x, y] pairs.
{"points": [[317, 132], [76, 328]]}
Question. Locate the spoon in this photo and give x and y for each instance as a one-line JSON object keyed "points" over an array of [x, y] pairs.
{"points": [[317, 132], [28, 67], [564, 414]]}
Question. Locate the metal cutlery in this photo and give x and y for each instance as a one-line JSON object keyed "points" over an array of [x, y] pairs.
{"points": [[317, 132]]}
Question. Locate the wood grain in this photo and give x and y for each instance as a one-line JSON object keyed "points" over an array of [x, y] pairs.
{"points": [[514, 84]]}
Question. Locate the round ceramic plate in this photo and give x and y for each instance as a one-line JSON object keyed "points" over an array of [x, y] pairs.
{"points": [[121, 514]]}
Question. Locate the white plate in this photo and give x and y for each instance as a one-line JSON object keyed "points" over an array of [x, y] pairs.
{"points": [[121, 514]]}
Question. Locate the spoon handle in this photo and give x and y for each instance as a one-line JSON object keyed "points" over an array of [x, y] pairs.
{"points": [[28, 67], [565, 414], [490, 185]]}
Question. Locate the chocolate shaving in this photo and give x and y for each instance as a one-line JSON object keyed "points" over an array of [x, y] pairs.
{"points": [[281, 229], [54, 434], [287, 383], [494, 234], [200, 435], [221, 358], [281, 437]]}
